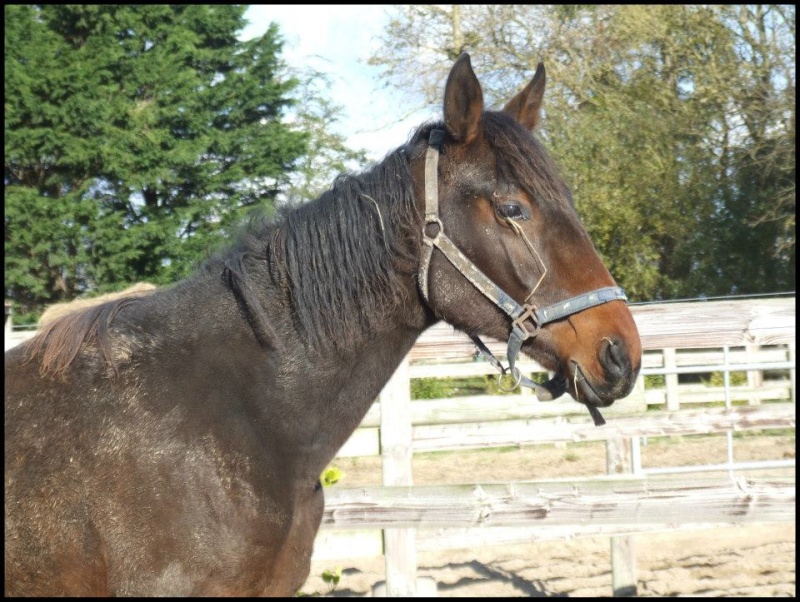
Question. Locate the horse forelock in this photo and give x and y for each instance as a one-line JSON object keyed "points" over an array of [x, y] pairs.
{"points": [[523, 158]]}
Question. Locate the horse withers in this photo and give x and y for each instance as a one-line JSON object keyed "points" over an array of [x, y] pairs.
{"points": [[172, 443]]}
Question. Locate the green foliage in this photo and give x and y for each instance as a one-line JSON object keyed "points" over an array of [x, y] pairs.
{"points": [[25, 319], [332, 577], [571, 457], [331, 475], [137, 138], [717, 379], [441, 388], [327, 155], [674, 126], [431, 388]]}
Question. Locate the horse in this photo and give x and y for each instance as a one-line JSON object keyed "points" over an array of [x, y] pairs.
{"points": [[172, 443]]}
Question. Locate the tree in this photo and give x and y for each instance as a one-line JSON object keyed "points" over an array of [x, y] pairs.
{"points": [[135, 136], [674, 126], [757, 158], [327, 154]]}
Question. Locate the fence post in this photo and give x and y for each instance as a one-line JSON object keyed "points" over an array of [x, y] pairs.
{"points": [[792, 372], [8, 326], [671, 379], [395, 438], [619, 460], [755, 378]]}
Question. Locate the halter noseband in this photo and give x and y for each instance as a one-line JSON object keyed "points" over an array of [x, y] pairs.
{"points": [[519, 314]]}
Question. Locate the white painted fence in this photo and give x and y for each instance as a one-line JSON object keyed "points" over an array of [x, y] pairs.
{"points": [[12, 338], [752, 336]]}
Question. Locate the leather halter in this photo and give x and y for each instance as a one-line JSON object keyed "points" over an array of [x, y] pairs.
{"points": [[526, 319]]}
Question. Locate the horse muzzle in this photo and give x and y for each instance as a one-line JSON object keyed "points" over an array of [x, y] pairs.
{"points": [[613, 378]]}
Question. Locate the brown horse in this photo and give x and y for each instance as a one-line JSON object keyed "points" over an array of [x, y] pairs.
{"points": [[172, 443]]}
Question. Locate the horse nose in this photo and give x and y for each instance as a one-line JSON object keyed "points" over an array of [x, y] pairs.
{"points": [[615, 359]]}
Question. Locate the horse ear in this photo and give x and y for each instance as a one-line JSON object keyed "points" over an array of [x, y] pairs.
{"points": [[463, 101], [525, 106]]}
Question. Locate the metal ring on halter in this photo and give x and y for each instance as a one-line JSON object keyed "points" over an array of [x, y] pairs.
{"points": [[515, 373], [432, 219]]}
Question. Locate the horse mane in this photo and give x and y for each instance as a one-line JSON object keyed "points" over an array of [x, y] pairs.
{"points": [[57, 310], [341, 258], [59, 341]]}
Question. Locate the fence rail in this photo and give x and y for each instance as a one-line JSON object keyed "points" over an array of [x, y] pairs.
{"points": [[523, 432], [623, 502]]}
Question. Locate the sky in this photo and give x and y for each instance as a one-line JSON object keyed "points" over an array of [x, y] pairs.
{"points": [[338, 40]]}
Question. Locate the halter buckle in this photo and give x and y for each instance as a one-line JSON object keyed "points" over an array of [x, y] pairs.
{"points": [[528, 313]]}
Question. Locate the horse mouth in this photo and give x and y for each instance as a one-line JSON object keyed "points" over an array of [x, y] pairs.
{"points": [[576, 384], [583, 391]]}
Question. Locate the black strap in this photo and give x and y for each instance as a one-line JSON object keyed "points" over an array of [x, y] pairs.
{"points": [[543, 392], [521, 380]]}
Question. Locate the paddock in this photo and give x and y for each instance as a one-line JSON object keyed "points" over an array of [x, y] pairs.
{"points": [[753, 340]]}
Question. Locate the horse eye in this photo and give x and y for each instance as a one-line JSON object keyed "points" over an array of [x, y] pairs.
{"points": [[511, 211]]}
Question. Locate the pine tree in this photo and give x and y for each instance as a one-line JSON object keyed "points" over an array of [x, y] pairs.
{"points": [[135, 136]]}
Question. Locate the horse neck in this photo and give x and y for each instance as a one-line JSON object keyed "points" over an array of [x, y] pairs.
{"points": [[332, 327], [330, 385], [311, 399]]}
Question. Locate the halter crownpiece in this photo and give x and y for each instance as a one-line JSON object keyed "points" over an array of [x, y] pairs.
{"points": [[521, 315]]}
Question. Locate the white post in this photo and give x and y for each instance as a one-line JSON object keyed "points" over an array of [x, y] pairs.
{"points": [[793, 372], [671, 380], [399, 544], [8, 327], [755, 378], [623, 556]]}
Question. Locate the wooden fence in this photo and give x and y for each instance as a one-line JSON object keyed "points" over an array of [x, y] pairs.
{"points": [[753, 337]]}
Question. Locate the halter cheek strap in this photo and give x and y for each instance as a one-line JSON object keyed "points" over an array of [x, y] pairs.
{"points": [[522, 316]]}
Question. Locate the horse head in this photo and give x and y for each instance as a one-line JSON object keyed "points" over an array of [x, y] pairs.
{"points": [[505, 253]]}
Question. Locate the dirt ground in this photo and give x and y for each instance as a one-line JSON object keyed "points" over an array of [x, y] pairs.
{"points": [[753, 560]]}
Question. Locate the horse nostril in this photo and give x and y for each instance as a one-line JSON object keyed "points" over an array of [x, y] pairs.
{"points": [[614, 358]]}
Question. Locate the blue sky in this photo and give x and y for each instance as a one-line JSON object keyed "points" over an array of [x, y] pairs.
{"points": [[338, 40]]}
